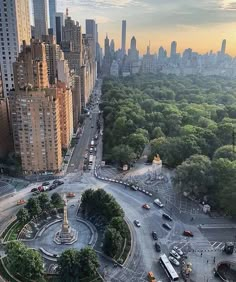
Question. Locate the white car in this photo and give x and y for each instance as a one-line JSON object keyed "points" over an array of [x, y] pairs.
{"points": [[137, 223], [175, 254], [158, 203], [173, 261], [178, 251]]}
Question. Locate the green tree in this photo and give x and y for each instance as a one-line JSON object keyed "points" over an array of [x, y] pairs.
{"points": [[225, 152], [157, 133], [75, 265], [119, 224], [112, 242], [69, 267], [194, 175], [137, 142], [44, 201], [23, 215], [123, 154], [88, 262], [56, 200], [33, 207], [26, 262]]}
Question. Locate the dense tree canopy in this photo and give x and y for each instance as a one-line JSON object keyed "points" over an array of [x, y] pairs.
{"points": [[26, 262], [189, 121], [75, 265], [141, 108]]}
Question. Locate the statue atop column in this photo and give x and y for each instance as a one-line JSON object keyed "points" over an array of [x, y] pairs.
{"points": [[66, 235]]}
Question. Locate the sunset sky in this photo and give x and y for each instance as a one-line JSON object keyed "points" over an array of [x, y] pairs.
{"points": [[199, 24]]}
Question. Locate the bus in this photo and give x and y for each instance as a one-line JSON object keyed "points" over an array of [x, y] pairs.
{"points": [[90, 159], [168, 268]]}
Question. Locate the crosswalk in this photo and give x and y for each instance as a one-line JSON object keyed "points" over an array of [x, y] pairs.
{"points": [[199, 246]]}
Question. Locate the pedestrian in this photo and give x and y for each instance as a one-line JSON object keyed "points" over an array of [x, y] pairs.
{"points": [[214, 259], [207, 261], [201, 254]]}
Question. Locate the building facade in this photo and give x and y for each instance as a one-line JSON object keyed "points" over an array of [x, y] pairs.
{"points": [[40, 9], [14, 28], [52, 15]]}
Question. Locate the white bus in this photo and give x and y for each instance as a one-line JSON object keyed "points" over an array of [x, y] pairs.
{"points": [[168, 268], [90, 159]]}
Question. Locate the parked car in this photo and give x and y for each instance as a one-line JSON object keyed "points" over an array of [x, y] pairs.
{"points": [[177, 250], [34, 189], [174, 254], [146, 206], [137, 223], [158, 203], [187, 233], [157, 247], [60, 182], [173, 261], [166, 216], [166, 226], [41, 188], [53, 186], [154, 235], [45, 183]]}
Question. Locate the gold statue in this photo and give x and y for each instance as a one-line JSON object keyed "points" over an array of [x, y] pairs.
{"points": [[156, 159]]}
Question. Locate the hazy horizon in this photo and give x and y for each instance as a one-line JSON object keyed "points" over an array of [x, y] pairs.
{"points": [[195, 24]]}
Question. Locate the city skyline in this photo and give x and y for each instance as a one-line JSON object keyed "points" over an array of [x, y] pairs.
{"points": [[161, 22]]}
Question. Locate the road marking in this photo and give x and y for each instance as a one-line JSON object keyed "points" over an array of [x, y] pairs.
{"points": [[214, 244]]}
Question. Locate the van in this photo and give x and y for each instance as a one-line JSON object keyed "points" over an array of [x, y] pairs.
{"points": [[158, 203]]}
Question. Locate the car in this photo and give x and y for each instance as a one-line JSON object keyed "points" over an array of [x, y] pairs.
{"points": [[151, 277], [175, 254], [91, 150], [96, 137], [21, 202], [158, 203], [34, 190], [166, 226], [157, 247], [89, 167], [41, 189], [137, 223], [146, 206], [154, 235], [178, 251], [70, 195], [173, 261], [45, 183], [166, 216], [53, 186], [187, 233], [60, 182]]}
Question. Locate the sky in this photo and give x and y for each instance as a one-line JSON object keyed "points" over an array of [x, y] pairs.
{"points": [[197, 24]]}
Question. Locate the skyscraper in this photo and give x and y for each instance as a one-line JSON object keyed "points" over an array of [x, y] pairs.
{"points": [[92, 31], [223, 47], [15, 27], [52, 15], [40, 18], [107, 57], [6, 144], [112, 47], [173, 49], [60, 21], [133, 53], [123, 39]]}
